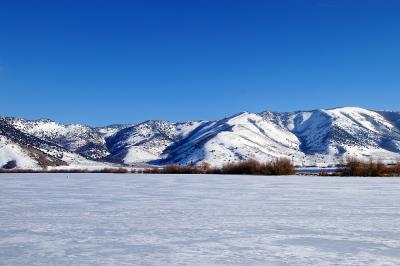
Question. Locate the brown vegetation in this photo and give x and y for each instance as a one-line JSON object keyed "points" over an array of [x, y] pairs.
{"points": [[280, 166], [356, 167], [249, 167], [204, 168]]}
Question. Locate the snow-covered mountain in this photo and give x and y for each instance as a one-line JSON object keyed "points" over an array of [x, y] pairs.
{"points": [[23, 150], [324, 136], [330, 135], [146, 141], [239, 137]]}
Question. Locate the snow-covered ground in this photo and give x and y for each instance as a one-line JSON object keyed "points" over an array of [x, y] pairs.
{"points": [[109, 219]]}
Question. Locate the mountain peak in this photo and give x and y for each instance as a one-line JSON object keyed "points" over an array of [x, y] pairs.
{"points": [[321, 136]]}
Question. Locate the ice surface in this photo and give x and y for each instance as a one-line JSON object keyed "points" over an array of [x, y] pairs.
{"points": [[109, 219]]}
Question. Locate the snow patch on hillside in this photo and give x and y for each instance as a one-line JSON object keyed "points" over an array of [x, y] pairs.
{"points": [[10, 151]]}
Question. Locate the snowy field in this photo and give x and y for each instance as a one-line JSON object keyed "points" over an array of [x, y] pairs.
{"points": [[109, 219]]}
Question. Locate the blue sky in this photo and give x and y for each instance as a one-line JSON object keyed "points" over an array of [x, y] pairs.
{"points": [[102, 62]]}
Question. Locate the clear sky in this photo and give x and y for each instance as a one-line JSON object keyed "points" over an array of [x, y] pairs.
{"points": [[102, 62]]}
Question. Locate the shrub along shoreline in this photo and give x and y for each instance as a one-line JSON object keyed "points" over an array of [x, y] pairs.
{"points": [[280, 166], [356, 167]]}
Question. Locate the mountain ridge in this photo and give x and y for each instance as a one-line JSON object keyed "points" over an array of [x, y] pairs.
{"points": [[315, 137]]}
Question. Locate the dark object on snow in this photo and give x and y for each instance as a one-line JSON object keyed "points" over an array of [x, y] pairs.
{"points": [[10, 165]]}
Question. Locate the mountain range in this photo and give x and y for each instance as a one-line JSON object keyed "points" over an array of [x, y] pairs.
{"points": [[319, 137]]}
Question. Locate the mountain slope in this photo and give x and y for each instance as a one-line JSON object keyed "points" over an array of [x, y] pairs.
{"points": [[239, 137], [36, 148], [146, 141], [324, 136], [333, 134], [76, 138], [26, 150], [12, 155]]}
